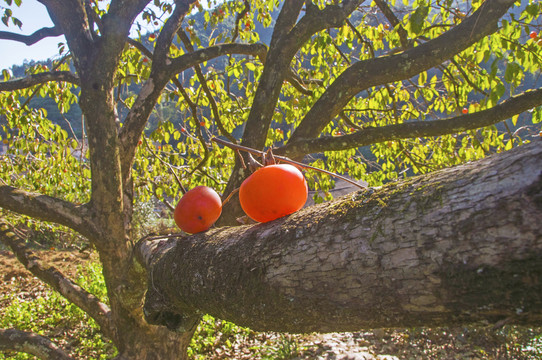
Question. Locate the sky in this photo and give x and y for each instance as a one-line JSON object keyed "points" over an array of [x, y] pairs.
{"points": [[33, 16]]}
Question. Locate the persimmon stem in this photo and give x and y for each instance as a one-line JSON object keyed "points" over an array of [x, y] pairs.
{"points": [[284, 159], [241, 159], [229, 196]]}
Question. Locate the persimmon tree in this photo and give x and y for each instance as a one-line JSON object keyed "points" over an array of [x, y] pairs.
{"points": [[374, 90]]}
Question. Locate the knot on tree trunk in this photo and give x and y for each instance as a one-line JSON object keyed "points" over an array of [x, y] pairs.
{"points": [[156, 309], [156, 312]]}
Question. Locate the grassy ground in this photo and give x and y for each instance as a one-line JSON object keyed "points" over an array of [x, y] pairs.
{"points": [[27, 304]]}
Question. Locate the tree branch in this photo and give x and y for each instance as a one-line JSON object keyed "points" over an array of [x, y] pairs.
{"points": [[137, 117], [238, 18], [140, 47], [58, 281], [285, 21], [31, 343], [372, 135], [365, 74], [277, 65], [47, 208], [438, 249], [189, 60], [119, 9], [299, 84], [172, 25], [34, 37], [71, 18], [394, 21], [316, 20], [288, 37], [36, 79]]}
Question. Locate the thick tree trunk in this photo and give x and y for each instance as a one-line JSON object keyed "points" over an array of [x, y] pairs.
{"points": [[134, 338], [111, 209], [455, 246], [154, 343]]}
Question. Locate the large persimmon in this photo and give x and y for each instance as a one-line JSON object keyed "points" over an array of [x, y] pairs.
{"points": [[198, 209], [272, 192]]}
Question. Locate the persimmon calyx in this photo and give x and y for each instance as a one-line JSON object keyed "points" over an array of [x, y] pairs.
{"points": [[253, 164], [268, 158]]}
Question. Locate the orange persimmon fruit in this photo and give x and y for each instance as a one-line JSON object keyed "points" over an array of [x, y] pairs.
{"points": [[198, 209], [272, 192]]}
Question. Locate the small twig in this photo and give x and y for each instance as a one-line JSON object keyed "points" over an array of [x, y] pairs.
{"points": [[69, 126], [203, 83], [297, 83], [234, 191], [238, 19], [241, 160], [286, 160], [467, 79], [361, 38], [183, 190], [509, 131], [194, 110], [338, 49], [166, 203], [349, 122], [205, 173]]}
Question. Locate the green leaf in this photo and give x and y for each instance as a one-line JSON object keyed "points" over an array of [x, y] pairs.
{"points": [[537, 115], [531, 9], [422, 78], [417, 19], [250, 66], [512, 70], [6, 74]]}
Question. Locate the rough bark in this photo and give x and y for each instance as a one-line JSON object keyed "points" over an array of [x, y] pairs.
{"points": [[154, 343], [320, 269], [30, 343], [455, 246]]}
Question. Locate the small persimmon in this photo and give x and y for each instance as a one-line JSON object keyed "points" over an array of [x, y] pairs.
{"points": [[198, 209], [272, 192]]}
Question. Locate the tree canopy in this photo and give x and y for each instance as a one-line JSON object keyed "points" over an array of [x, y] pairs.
{"points": [[376, 91]]}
